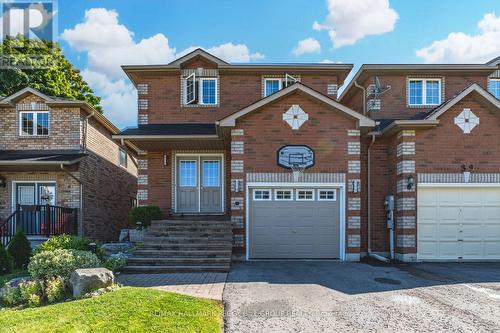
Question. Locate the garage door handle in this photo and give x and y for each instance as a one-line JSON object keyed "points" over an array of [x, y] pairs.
{"points": [[460, 240], [294, 231]]}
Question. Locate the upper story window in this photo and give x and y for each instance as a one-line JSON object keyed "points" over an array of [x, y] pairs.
{"points": [[122, 158], [494, 87], [424, 92], [34, 123], [275, 84], [200, 91]]}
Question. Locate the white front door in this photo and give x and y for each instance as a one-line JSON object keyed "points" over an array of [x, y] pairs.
{"points": [[458, 223]]}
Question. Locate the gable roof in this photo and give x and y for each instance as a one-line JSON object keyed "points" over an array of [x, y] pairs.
{"points": [[485, 95], [23, 93], [197, 53], [363, 121], [494, 62]]}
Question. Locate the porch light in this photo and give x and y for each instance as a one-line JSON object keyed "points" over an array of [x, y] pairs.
{"points": [[410, 182], [3, 183], [165, 160]]}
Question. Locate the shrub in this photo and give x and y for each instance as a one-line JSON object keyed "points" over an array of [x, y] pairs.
{"points": [[31, 292], [67, 242], [11, 296], [6, 262], [20, 250], [60, 262], [115, 264], [144, 214], [55, 289]]}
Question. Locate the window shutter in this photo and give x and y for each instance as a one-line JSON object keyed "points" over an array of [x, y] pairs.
{"points": [[289, 80]]}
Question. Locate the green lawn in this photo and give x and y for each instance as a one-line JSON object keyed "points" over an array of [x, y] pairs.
{"points": [[125, 310], [8, 277]]}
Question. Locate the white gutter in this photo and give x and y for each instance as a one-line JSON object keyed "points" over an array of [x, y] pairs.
{"points": [[370, 253]]}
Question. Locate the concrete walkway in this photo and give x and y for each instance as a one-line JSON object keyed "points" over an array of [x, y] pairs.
{"points": [[205, 285]]}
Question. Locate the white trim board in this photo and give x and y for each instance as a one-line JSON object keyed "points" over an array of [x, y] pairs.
{"points": [[342, 198]]}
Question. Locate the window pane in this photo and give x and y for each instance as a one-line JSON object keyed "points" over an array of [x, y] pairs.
{"points": [[272, 86], [187, 173], [432, 93], [305, 195], [27, 124], [123, 158], [283, 194], [495, 88], [262, 195], [327, 195], [42, 123], [211, 173], [416, 92], [209, 91]]}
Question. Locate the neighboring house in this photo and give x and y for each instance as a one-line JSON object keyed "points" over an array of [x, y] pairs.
{"points": [[61, 153], [219, 138]]}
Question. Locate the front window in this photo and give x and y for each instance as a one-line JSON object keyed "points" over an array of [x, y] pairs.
{"points": [[424, 92], [187, 173], [272, 86], [122, 157], [494, 87], [211, 173], [34, 123], [208, 91]]}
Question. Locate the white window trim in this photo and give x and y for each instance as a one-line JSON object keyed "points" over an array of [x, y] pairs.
{"points": [[186, 102], [283, 189], [489, 86], [424, 91], [304, 189], [196, 176], [200, 92], [35, 124], [280, 81], [262, 189], [203, 173], [36, 183], [327, 190]]}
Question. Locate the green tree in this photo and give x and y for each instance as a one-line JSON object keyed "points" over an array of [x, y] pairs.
{"points": [[50, 72]]}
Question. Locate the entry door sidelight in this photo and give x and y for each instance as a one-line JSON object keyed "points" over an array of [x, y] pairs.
{"points": [[211, 185], [187, 189]]}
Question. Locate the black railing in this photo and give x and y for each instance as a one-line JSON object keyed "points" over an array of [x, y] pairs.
{"points": [[39, 220]]}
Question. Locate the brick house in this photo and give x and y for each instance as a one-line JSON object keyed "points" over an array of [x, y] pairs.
{"points": [[61, 153], [232, 139]]}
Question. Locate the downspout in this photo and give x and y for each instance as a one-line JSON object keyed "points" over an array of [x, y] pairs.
{"points": [[80, 202], [370, 253], [364, 95]]}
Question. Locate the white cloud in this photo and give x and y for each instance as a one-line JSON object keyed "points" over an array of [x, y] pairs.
{"points": [[460, 47], [328, 61], [349, 21], [308, 45], [108, 44]]}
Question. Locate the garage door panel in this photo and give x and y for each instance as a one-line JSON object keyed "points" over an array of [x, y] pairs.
{"points": [[466, 223], [294, 229]]}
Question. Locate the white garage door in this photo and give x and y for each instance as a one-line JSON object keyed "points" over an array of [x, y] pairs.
{"points": [[294, 223], [458, 223]]}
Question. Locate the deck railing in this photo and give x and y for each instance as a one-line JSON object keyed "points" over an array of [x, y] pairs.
{"points": [[39, 220]]}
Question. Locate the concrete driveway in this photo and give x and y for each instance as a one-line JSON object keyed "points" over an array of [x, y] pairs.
{"points": [[317, 296]]}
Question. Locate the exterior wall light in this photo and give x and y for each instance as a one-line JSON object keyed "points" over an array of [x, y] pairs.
{"points": [[410, 182]]}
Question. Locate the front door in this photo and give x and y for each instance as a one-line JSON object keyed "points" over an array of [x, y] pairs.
{"points": [[199, 184], [29, 194]]}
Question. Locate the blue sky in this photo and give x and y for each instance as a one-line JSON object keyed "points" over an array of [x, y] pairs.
{"points": [[98, 36]]}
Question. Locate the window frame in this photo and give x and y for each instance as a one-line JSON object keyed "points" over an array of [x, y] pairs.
{"points": [[424, 91], [200, 90], [186, 81], [120, 151], [283, 199], [270, 192], [196, 175], [219, 173], [327, 190], [497, 80], [297, 197], [280, 83], [35, 124]]}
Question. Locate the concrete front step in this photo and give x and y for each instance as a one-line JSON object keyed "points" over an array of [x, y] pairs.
{"points": [[196, 223], [188, 234], [186, 246], [174, 269], [177, 261], [176, 253], [186, 240]]}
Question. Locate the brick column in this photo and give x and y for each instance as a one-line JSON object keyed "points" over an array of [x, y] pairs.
{"points": [[405, 243], [142, 179], [353, 212], [237, 208], [142, 104]]}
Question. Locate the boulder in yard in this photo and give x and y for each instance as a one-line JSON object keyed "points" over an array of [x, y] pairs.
{"points": [[85, 280], [109, 249]]}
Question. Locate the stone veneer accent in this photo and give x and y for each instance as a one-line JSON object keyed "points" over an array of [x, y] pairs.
{"points": [[237, 203], [237, 132], [237, 166], [237, 147], [237, 185], [405, 166], [354, 166], [143, 119], [142, 89], [406, 203], [142, 194], [142, 180], [406, 241], [354, 203], [237, 222], [353, 241], [353, 218], [406, 148], [353, 148], [406, 222], [238, 240], [142, 164], [354, 222], [354, 185], [332, 89], [143, 104]]}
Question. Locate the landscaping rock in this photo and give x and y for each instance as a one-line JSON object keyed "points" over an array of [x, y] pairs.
{"points": [[111, 249], [17, 281], [123, 235], [88, 279], [135, 235]]}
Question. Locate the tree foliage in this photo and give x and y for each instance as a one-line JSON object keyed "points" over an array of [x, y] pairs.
{"points": [[41, 66]]}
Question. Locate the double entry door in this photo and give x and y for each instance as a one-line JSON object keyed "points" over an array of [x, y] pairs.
{"points": [[199, 184], [35, 193]]}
